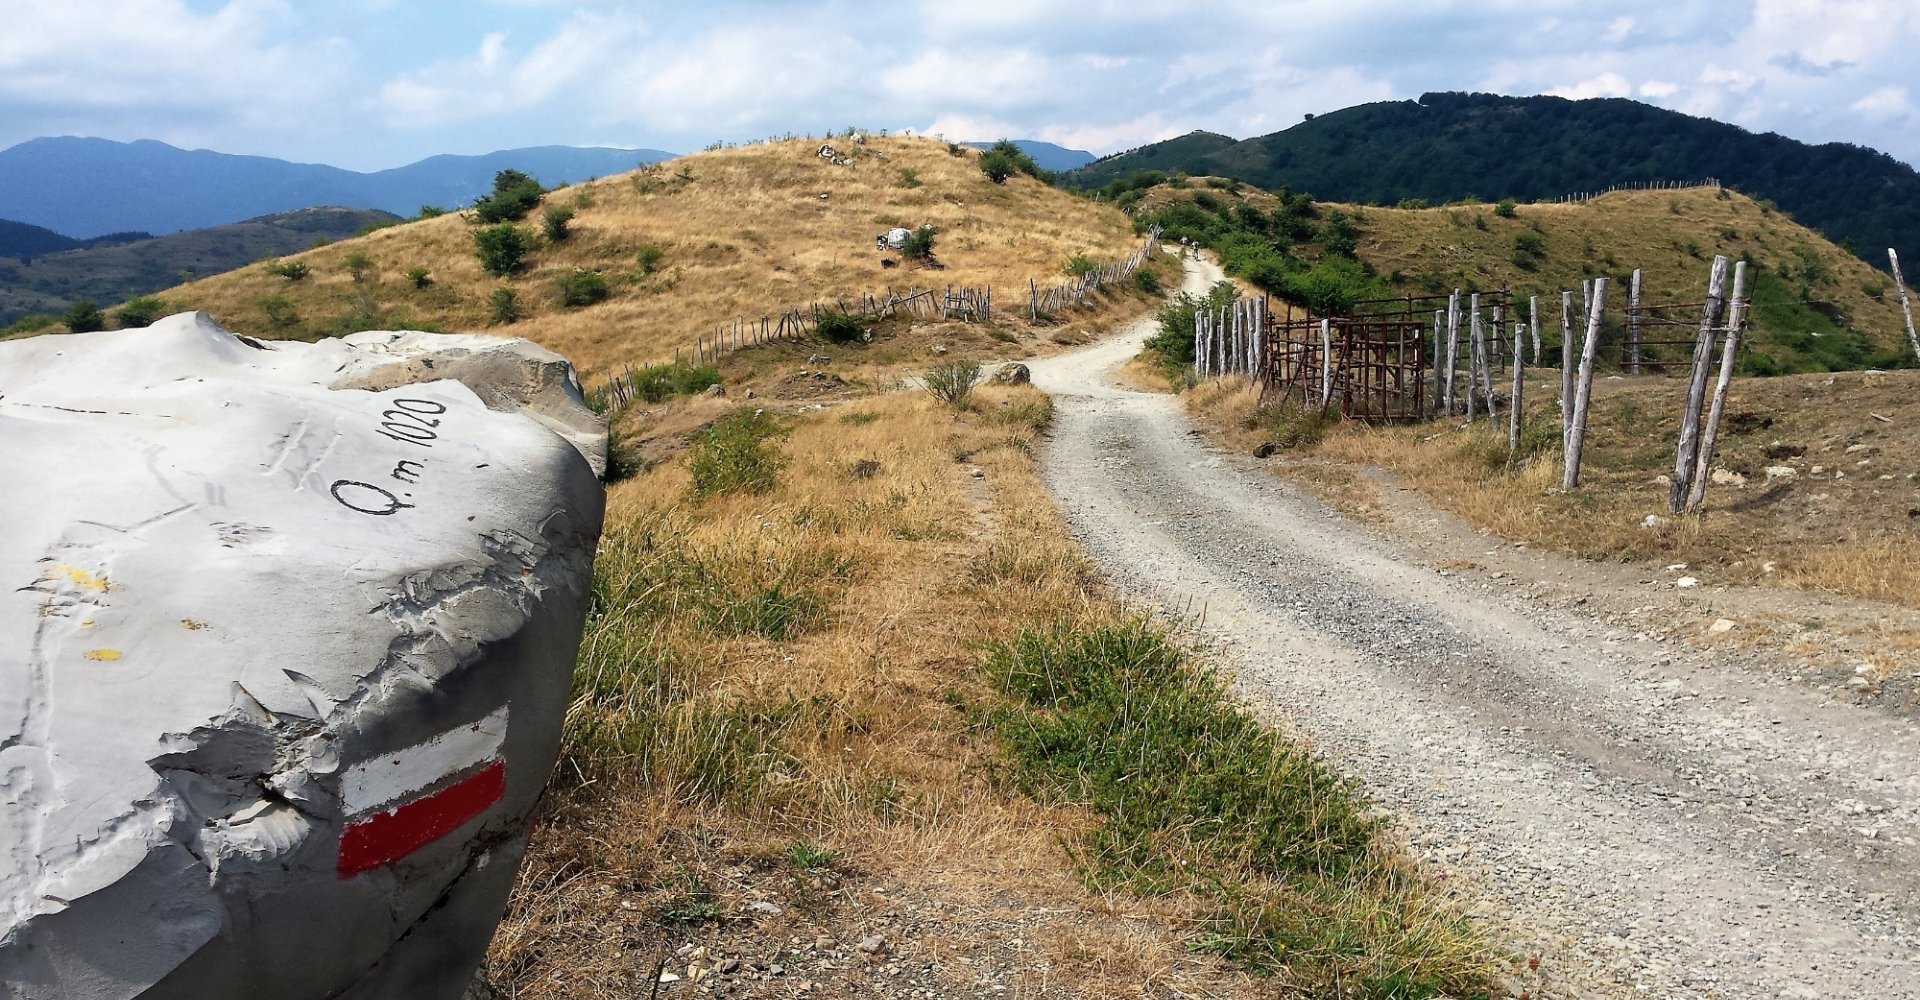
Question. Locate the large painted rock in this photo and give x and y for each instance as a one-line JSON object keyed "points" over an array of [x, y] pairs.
{"points": [[285, 639]]}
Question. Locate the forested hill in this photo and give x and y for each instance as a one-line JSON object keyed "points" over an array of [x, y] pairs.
{"points": [[1449, 146]]}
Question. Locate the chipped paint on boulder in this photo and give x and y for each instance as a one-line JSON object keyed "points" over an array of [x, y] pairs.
{"points": [[285, 639]]}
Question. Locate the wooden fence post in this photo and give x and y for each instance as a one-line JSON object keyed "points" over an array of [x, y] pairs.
{"points": [[1326, 362], [1913, 340], [1533, 320], [1453, 349], [1566, 370], [1583, 387], [1710, 435], [1687, 453], [1516, 406], [1434, 358], [1633, 325], [1476, 343]]}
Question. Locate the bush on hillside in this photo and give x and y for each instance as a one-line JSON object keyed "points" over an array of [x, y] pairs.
{"points": [[419, 277], [84, 317], [582, 288], [429, 212], [505, 303], [554, 222], [839, 328], [502, 248], [292, 270], [736, 455], [279, 312], [358, 264], [1005, 159], [1174, 341], [141, 310], [514, 195], [919, 244], [952, 382], [32, 323], [649, 257], [659, 383], [1505, 208]]}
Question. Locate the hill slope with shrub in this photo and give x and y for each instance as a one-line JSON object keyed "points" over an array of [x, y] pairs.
{"points": [[1449, 146], [653, 258], [1816, 307]]}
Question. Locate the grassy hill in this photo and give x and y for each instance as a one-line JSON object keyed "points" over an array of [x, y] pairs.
{"points": [[1181, 154], [747, 231], [1816, 307], [107, 271], [1451, 146]]}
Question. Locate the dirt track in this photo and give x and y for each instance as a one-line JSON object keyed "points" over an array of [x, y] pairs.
{"points": [[1652, 819]]}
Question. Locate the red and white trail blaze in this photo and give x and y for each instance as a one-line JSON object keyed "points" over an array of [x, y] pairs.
{"points": [[400, 802]]}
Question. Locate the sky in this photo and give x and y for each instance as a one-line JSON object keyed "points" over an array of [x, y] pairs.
{"points": [[369, 84]]}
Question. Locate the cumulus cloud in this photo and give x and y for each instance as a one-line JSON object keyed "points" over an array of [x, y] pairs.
{"points": [[1101, 75]]}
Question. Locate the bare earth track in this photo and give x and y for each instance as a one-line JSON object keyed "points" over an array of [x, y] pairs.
{"points": [[1651, 819]]}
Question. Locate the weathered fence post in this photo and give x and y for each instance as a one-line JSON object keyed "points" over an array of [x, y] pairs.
{"points": [[1453, 349], [1439, 365], [1710, 435], [1633, 324], [1583, 387], [1566, 370], [1533, 320], [1913, 339], [1688, 450], [1515, 405], [1326, 362], [1476, 343]]}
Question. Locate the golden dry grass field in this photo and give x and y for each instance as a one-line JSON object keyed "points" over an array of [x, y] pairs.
{"points": [[747, 231]]}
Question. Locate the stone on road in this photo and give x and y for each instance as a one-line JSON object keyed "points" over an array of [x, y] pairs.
{"points": [[1653, 821], [286, 632]]}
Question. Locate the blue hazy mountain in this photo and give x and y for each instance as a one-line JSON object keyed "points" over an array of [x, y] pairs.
{"points": [[82, 188], [1046, 154]]}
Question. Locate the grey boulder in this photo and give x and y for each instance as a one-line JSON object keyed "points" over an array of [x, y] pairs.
{"points": [[286, 633]]}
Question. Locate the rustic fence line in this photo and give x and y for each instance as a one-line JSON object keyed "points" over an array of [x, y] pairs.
{"points": [[1042, 301], [1586, 196], [969, 304]]}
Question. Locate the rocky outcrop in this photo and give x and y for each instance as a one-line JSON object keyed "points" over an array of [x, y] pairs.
{"points": [[285, 639]]}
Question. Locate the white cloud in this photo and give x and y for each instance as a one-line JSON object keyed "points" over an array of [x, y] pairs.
{"points": [[1887, 102], [1604, 85], [1658, 88]]}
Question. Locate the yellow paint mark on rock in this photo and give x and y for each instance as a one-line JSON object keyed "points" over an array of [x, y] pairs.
{"points": [[89, 623], [105, 655], [85, 579], [189, 623]]}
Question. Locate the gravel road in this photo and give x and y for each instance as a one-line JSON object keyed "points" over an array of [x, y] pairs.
{"points": [[1652, 819]]}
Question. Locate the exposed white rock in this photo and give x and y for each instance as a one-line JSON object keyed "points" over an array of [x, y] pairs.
{"points": [[1781, 472], [285, 639]]}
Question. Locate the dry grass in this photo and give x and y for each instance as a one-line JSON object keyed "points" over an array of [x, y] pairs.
{"points": [[835, 712], [1845, 529], [1672, 236], [756, 229]]}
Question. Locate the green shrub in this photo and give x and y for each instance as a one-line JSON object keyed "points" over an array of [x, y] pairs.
{"points": [[1005, 159], [1505, 208], [957, 149], [919, 244], [514, 195], [736, 455], [1528, 249], [502, 248], [909, 178], [83, 317], [554, 222], [505, 303], [419, 277], [31, 323], [582, 288], [1146, 281], [1173, 344], [1413, 203], [429, 212], [952, 382], [839, 328], [292, 270], [357, 264], [659, 383], [649, 257], [141, 310], [279, 312], [1080, 265]]}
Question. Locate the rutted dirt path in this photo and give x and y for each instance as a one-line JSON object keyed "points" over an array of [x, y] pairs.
{"points": [[1653, 820]]}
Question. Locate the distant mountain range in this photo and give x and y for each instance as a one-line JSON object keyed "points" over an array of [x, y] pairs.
{"points": [[1450, 146], [83, 188], [1046, 154], [113, 269]]}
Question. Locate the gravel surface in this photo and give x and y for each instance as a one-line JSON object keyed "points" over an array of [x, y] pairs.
{"points": [[1651, 819]]}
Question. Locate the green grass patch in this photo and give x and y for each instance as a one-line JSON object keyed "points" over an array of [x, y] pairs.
{"points": [[737, 455], [1196, 796]]}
